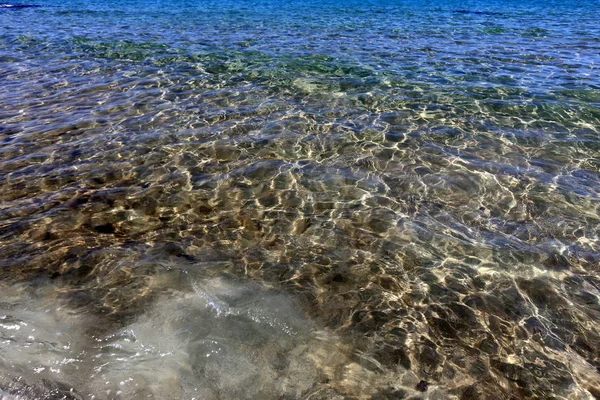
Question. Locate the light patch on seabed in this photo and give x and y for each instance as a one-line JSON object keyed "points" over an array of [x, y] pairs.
{"points": [[221, 340]]}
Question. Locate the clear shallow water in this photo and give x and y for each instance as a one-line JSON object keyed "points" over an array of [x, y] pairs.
{"points": [[416, 184]]}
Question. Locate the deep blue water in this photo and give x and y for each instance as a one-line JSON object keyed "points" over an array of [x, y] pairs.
{"points": [[300, 199]]}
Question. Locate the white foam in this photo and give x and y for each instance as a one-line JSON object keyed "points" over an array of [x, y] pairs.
{"points": [[220, 340]]}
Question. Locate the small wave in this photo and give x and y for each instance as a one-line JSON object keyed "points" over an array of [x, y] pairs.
{"points": [[5, 5], [477, 12]]}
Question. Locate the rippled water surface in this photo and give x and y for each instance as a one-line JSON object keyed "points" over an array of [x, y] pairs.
{"points": [[304, 199]]}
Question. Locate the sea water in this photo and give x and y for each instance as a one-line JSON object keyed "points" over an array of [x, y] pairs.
{"points": [[299, 199]]}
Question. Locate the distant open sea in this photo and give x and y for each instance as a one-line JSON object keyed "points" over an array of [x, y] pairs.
{"points": [[300, 199]]}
